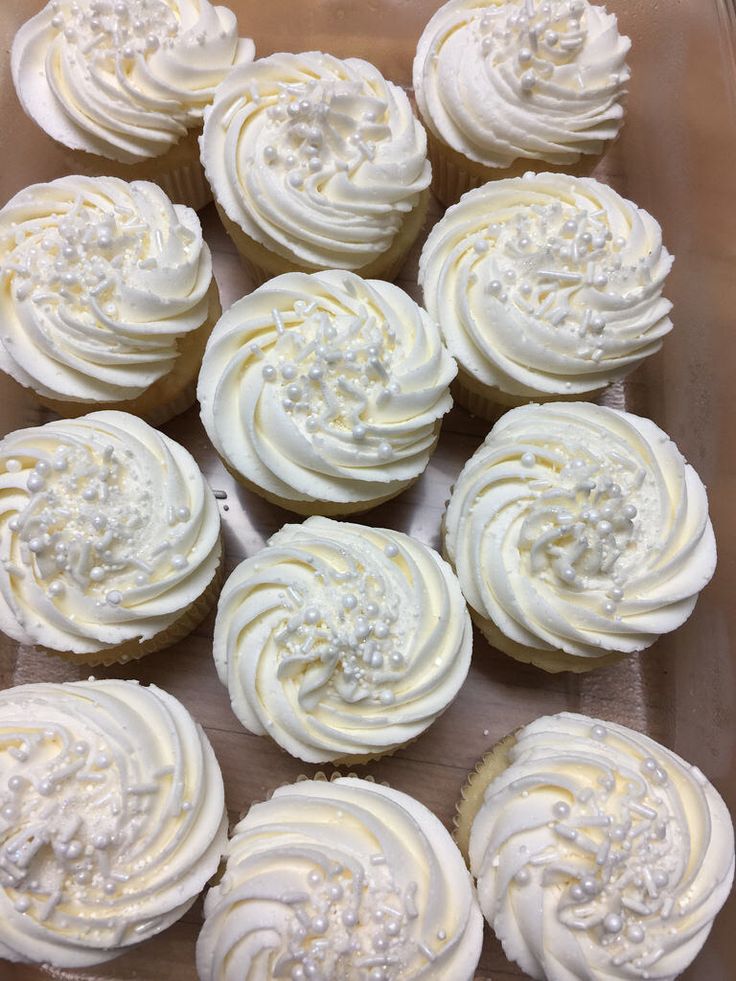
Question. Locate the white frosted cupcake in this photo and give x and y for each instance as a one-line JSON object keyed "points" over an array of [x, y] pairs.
{"points": [[579, 534], [545, 287], [325, 393], [109, 296], [341, 642], [110, 539], [123, 84], [113, 819], [316, 163], [598, 853], [505, 86], [341, 879]]}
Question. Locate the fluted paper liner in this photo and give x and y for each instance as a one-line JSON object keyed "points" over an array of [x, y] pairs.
{"points": [[178, 171], [486, 770], [453, 174], [263, 264]]}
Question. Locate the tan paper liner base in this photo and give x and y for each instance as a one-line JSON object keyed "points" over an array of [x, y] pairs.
{"points": [[550, 661], [178, 171], [170, 395], [491, 403], [490, 766], [474, 398], [132, 650], [553, 662], [366, 758], [263, 264], [327, 509], [358, 759], [453, 174]]}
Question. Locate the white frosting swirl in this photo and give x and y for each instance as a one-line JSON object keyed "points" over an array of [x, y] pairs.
{"points": [[112, 818], [124, 79], [101, 279], [340, 640], [345, 879], [108, 531], [318, 159], [580, 528], [547, 284], [325, 386], [600, 853], [536, 79]]}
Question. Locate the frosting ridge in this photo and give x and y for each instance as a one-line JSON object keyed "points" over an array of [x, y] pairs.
{"points": [[343, 879], [535, 79], [316, 158], [580, 528], [624, 850], [103, 278], [124, 79], [339, 640], [112, 818], [109, 532]]}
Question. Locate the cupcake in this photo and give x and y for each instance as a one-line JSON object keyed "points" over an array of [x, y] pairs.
{"points": [[113, 819], [110, 539], [598, 853], [324, 393], [341, 879], [544, 287], [316, 163], [341, 642], [579, 534], [109, 296], [506, 86], [122, 84]]}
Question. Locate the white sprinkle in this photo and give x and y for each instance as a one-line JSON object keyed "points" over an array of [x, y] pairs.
{"points": [[424, 949], [564, 277], [643, 810]]}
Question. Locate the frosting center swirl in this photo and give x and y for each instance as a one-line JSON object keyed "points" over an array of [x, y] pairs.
{"points": [[314, 127], [332, 372]]}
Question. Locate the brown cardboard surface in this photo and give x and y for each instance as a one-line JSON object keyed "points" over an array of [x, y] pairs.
{"points": [[675, 158]]}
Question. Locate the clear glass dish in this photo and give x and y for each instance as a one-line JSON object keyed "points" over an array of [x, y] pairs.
{"points": [[676, 158]]}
